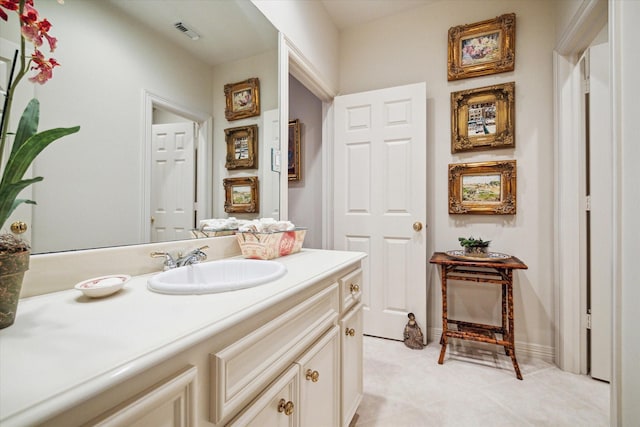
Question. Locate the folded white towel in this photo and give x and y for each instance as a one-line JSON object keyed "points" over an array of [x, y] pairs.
{"points": [[266, 225], [218, 224]]}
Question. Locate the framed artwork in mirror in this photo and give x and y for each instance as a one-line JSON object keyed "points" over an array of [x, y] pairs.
{"points": [[487, 188], [242, 147], [241, 194], [483, 118], [294, 154], [482, 48], [243, 99]]}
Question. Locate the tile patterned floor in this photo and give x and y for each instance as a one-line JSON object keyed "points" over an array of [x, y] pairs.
{"points": [[474, 387]]}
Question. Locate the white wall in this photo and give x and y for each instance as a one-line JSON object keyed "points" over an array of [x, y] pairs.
{"points": [[308, 26], [412, 47], [624, 34], [305, 196]]}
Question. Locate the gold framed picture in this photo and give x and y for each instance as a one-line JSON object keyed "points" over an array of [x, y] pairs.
{"points": [[243, 99], [242, 147], [241, 194], [487, 188], [483, 118], [486, 47], [294, 153]]}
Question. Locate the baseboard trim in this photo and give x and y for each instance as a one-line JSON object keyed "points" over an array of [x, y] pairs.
{"points": [[525, 350]]}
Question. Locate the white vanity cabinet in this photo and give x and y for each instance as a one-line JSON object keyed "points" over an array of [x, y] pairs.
{"points": [[288, 353], [351, 344], [307, 394]]}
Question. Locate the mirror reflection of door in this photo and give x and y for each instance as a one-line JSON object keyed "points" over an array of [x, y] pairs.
{"points": [[173, 178]]}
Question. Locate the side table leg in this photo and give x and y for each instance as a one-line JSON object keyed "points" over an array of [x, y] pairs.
{"points": [[445, 322], [512, 347]]}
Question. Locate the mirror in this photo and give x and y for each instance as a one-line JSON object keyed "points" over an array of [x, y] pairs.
{"points": [[125, 65]]}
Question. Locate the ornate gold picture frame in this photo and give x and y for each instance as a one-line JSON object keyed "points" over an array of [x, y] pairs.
{"points": [[483, 118], [243, 99], [294, 153], [487, 188], [242, 147], [486, 47], [241, 194]]}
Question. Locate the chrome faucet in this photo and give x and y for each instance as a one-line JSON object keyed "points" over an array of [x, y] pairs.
{"points": [[192, 257]]}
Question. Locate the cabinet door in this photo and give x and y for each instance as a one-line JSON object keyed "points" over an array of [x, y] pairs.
{"points": [[320, 382], [351, 366], [277, 406], [171, 403]]}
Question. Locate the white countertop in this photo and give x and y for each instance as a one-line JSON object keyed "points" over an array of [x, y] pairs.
{"points": [[65, 347]]}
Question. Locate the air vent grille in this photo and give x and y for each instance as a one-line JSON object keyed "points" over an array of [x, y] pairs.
{"points": [[183, 28]]}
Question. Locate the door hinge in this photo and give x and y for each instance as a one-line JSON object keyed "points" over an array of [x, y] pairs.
{"points": [[587, 203], [589, 319], [586, 86]]}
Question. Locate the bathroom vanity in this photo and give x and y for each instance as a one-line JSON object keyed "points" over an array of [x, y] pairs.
{"points": [[284, 353]]}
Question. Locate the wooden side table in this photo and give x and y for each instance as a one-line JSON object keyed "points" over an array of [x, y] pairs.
{"points": [[495, 271]]}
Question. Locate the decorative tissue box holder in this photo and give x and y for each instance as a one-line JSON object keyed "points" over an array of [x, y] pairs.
{"points": [[270, 245]]}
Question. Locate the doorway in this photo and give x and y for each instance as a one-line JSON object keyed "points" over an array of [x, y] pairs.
{"points": [[202, 163]]}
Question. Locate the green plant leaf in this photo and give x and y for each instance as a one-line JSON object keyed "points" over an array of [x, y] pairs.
{"points": [[21, 159], [28, 125], [8, 196]]}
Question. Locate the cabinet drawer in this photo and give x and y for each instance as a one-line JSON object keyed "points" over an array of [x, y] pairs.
{"points": [[350, 289], [244, 368]]}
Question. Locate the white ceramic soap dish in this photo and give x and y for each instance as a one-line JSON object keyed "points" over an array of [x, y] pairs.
{"points": [[102, 286]]}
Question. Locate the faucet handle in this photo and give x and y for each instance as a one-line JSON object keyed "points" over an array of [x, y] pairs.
{"points": [[169, 262]]}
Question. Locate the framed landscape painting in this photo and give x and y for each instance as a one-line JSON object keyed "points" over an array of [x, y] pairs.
{"points": [[482, 48], [241, 194], [487, 188]]}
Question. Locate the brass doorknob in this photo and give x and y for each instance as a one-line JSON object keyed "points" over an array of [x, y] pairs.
{"points": [[18, 227], [354, 288], [350, 332], [417, 226]]}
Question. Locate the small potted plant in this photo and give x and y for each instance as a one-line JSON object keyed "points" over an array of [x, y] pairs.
{"points": [[474, 247]]}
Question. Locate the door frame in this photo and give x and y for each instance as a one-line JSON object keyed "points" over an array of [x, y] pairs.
{"points": [[204, 160], [570, 203], [292, 61]]}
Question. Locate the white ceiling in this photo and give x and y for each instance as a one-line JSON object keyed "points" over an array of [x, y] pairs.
{"points": [[348, 13], [231, 30]]}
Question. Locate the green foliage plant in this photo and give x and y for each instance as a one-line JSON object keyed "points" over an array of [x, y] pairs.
{"points": [[472, 242]]}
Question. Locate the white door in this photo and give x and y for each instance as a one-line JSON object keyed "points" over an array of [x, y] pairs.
{"points": [[172, 181], [379, 195], [601, 224]]}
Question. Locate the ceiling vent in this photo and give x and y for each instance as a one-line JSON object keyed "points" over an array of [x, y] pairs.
{"points": [[183, 28]]}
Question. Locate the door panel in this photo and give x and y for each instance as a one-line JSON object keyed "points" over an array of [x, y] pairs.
{"points": [[379, 192], [172, 181]]}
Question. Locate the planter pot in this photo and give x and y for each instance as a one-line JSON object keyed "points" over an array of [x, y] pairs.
{"points": [[12, 268], [476, 251]]}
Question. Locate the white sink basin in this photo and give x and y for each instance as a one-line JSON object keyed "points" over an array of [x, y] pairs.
{"points": [[216, 276]]}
